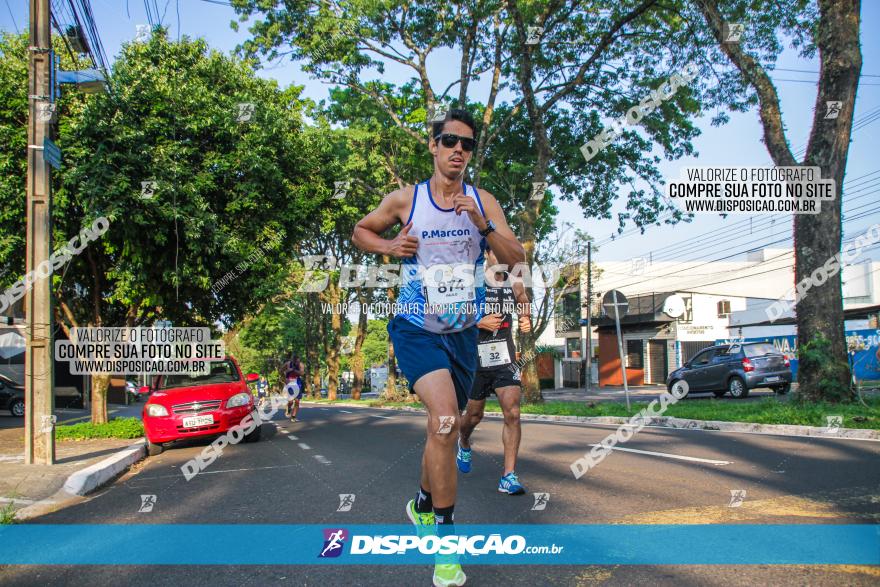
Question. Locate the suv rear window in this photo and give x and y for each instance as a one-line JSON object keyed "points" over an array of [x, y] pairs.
{"points": [[221, 372], [759, 349]]}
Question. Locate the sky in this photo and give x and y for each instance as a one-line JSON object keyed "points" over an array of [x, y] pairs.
{"points": [[737, 143]]}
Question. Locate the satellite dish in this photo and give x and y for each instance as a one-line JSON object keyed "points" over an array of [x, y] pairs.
{"points": [[674, 306]]}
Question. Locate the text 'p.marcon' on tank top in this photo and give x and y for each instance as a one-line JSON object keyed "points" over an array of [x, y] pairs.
{"points": [[441, 291]]}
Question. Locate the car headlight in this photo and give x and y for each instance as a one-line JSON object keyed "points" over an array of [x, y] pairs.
{"points": [[156, 410], [239, 399]]}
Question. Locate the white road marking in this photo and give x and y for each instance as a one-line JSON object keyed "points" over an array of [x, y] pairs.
{"points": [[709, 430], [670, 456], [220, 471], [385, 417], [346, 412], [323, 460], [292, 437], [304, 446]]}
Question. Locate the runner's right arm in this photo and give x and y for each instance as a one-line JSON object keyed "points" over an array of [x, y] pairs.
{"points": [[367, 232], [490, 322]]}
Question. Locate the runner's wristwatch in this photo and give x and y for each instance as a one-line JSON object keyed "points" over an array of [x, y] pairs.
{"points": [[490, 227]]}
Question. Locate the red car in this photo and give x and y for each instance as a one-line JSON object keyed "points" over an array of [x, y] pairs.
{"points": [[186, 406]]}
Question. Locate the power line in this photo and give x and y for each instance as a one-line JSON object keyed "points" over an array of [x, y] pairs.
{"points": [[808, 81], [11, 15], [667, 270], [696, 241], [700, 285], [864, 120], [812, 71]]}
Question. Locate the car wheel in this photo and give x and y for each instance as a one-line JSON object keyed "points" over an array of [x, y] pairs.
{"points": [[255, 434], [153, 449], [670, 387], [737, 388], [17, 408], [783, 389], [720, 392]]}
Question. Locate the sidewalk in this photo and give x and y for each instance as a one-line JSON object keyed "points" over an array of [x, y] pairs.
{"points": [[26, 485], [640, 393]]}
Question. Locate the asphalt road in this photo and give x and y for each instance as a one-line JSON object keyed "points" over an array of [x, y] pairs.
{"points": [[296, 473]]}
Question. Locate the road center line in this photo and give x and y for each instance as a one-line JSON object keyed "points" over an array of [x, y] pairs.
{"points": [[346, 412], [384, 417], [670, 456], [292, 437], [304, 446], [323, 460]]}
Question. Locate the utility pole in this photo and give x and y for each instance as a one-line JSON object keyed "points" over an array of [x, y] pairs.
{"points": [[39, 447], [589, 380], [580, 292]]}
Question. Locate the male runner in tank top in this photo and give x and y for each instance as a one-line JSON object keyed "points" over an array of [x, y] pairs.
{"points": [[446, 224], [498, 372]]}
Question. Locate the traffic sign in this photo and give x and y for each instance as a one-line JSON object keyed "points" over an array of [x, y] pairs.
{"points": [[616, 305], [615, 299], [51, 153]]}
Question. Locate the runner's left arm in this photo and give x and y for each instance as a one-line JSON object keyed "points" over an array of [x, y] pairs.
{"points": [[507, 248]]}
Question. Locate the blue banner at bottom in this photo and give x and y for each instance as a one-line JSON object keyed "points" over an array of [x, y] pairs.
{"points": [[253, 544]]}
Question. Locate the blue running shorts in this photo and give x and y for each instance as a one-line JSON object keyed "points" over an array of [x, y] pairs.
{"points": [[419, 352]]}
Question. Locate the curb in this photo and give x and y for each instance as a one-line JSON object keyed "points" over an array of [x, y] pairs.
{"points": [[84, 480], [676, 423], [90, 478]]}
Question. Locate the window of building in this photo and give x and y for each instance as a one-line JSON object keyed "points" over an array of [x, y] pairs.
{"points": [[724, 308], [568, 313], [635, 354], [573, 348]]}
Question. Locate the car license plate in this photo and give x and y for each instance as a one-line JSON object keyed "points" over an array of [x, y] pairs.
{"points": [[195, 421], [772, 379]]}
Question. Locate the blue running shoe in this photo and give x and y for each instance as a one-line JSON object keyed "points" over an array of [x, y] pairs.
{"points": [[510, 485], [463, 459]]}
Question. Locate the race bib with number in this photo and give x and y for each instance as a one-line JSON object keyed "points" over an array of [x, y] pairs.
{"points": [[449, 290], [493, 354]]}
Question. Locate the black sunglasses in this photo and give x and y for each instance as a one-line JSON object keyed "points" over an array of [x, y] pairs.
{"points": [[449, 140]]}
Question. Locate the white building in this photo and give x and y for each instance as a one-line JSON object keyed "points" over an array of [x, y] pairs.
{"points": [[709, 301]]}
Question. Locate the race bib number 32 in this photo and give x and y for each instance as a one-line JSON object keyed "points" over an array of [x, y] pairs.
{"points": [[493, 354]]}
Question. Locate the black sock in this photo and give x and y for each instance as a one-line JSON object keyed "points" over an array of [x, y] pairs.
{"points": [[424, 505], [445, 516]]}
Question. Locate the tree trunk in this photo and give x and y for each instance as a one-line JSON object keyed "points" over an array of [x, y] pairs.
{"points": [[391, 382], [357, 359], [823, 369], [332, 339], [100, 385]]}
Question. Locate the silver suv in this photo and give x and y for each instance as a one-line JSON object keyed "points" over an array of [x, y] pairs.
{"points": [[736, 368]]}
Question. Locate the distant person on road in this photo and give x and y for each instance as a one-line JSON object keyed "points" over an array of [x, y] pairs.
{"points": [[294, 388], [446, 225], [498, 373], [262, 389]]}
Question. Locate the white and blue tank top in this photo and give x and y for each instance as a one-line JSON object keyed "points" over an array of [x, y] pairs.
{"points": [[442, 287]]}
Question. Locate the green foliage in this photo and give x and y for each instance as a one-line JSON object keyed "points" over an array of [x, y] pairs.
{"points": [[816, 358], [115, 428], [375, 347], [13, 154], [548, 350], [226, 190], [7, 514]]}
